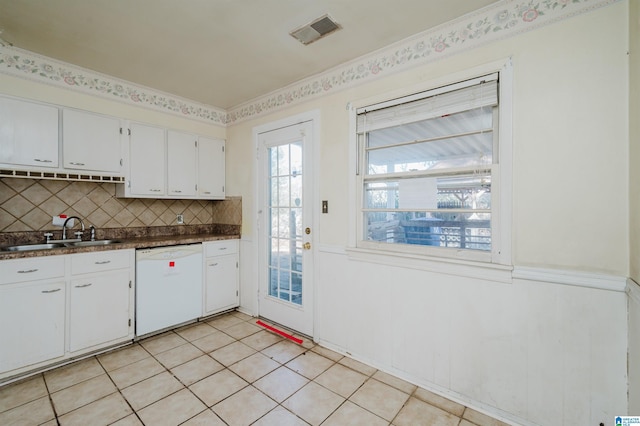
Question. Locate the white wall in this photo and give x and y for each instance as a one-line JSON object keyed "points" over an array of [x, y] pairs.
{"points": [[634, 197], [634, 347], [542, 353], [532, 352]]}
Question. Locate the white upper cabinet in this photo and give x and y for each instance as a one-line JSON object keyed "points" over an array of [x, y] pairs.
{"points": [[90, 142], [182, 160], [28, 133], [147, 161], [170, 164], [211, 168]]}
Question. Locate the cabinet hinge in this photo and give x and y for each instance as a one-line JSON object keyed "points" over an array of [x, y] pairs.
{"points": [[222, 188], [121, 162], [196, 143], [236, 264], [236, 293], [129, 322], [129, 287], [223, 149], [120, 130]]}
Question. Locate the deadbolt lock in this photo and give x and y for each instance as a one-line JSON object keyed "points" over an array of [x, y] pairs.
{"points": [[307, 231]]}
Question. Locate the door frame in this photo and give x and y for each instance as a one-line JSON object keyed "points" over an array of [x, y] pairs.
{"points": [[312, 199]]}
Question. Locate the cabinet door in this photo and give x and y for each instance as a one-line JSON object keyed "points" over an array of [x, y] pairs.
{"points": [[32, 317], [28, 133], [181, 164], [211, 171], [90, 141], [221, 285], [147, 163], [99, 309]]}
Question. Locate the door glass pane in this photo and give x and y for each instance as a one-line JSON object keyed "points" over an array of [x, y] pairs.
{"points": [[296, 191], [285, 192], [283, 160], [284, 227], [296, 259]]}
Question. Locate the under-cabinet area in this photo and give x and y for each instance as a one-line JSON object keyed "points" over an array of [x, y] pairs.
{"points": [[55, 308], [53, 142]]}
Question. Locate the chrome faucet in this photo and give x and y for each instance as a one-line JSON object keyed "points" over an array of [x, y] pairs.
{"points": [[64, 227]]}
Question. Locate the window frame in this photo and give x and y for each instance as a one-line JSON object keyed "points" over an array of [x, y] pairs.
{"points": [[501, 174]]}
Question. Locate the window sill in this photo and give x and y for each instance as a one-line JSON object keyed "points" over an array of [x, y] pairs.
{"points": [[463, 268]]}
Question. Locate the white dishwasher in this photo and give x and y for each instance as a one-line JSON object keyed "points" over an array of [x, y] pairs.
{"points": [[168, 286]]}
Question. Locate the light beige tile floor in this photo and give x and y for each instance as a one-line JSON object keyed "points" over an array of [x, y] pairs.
{"points": [[225, 371]]}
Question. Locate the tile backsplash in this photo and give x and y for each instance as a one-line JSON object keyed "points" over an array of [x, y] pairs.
{"points": [[30, 204]]}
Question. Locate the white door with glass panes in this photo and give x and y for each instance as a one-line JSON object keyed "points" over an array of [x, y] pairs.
{"points": [[285, 222]]}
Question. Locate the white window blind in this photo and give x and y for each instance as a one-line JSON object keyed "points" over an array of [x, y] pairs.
{"points": [[463, 96]]}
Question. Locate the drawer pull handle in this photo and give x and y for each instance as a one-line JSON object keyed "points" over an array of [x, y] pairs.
{"points": [[177, 191], [84, 285], [51, 291], [39, 160], [103, 262], [76, 164], [213, 264], [222, 248], [155, 190], [27, 271]]}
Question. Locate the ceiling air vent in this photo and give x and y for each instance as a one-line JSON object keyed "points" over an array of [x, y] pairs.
{"points": [[315, 30]]}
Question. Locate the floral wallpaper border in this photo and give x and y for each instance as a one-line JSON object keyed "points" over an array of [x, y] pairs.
{"points": [[503, 19], [32, 66]]}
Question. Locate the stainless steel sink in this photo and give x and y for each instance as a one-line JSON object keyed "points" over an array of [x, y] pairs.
{"points": [[25, 247], [92, 243], [49, 246]]}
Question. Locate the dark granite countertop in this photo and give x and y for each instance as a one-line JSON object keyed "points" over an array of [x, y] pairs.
{"points": [[129, 238]]}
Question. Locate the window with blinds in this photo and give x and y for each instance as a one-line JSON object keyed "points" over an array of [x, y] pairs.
{"points": [[427, 165]]}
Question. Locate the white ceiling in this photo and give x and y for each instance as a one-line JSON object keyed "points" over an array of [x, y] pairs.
{"points": [[218, 52]]}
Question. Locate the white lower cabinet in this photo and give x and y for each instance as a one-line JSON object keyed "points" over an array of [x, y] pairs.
{"points": [[221, 276], [32, 318], [32, 311], [57, 307], [99, 310], [101, 301]]}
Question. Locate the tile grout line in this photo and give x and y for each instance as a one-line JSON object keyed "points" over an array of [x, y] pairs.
{"points": [[120, 393], [53, 407], [332, 362]]}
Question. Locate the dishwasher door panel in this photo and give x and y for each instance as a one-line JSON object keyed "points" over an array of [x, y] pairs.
{"points": [[168, 287]]}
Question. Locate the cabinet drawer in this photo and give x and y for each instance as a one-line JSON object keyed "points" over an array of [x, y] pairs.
{"points": [[85, 263], [219, 248], [32, 269]]}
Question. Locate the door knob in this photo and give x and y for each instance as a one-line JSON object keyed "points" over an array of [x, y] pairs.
{"points": [[306, 246]]}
